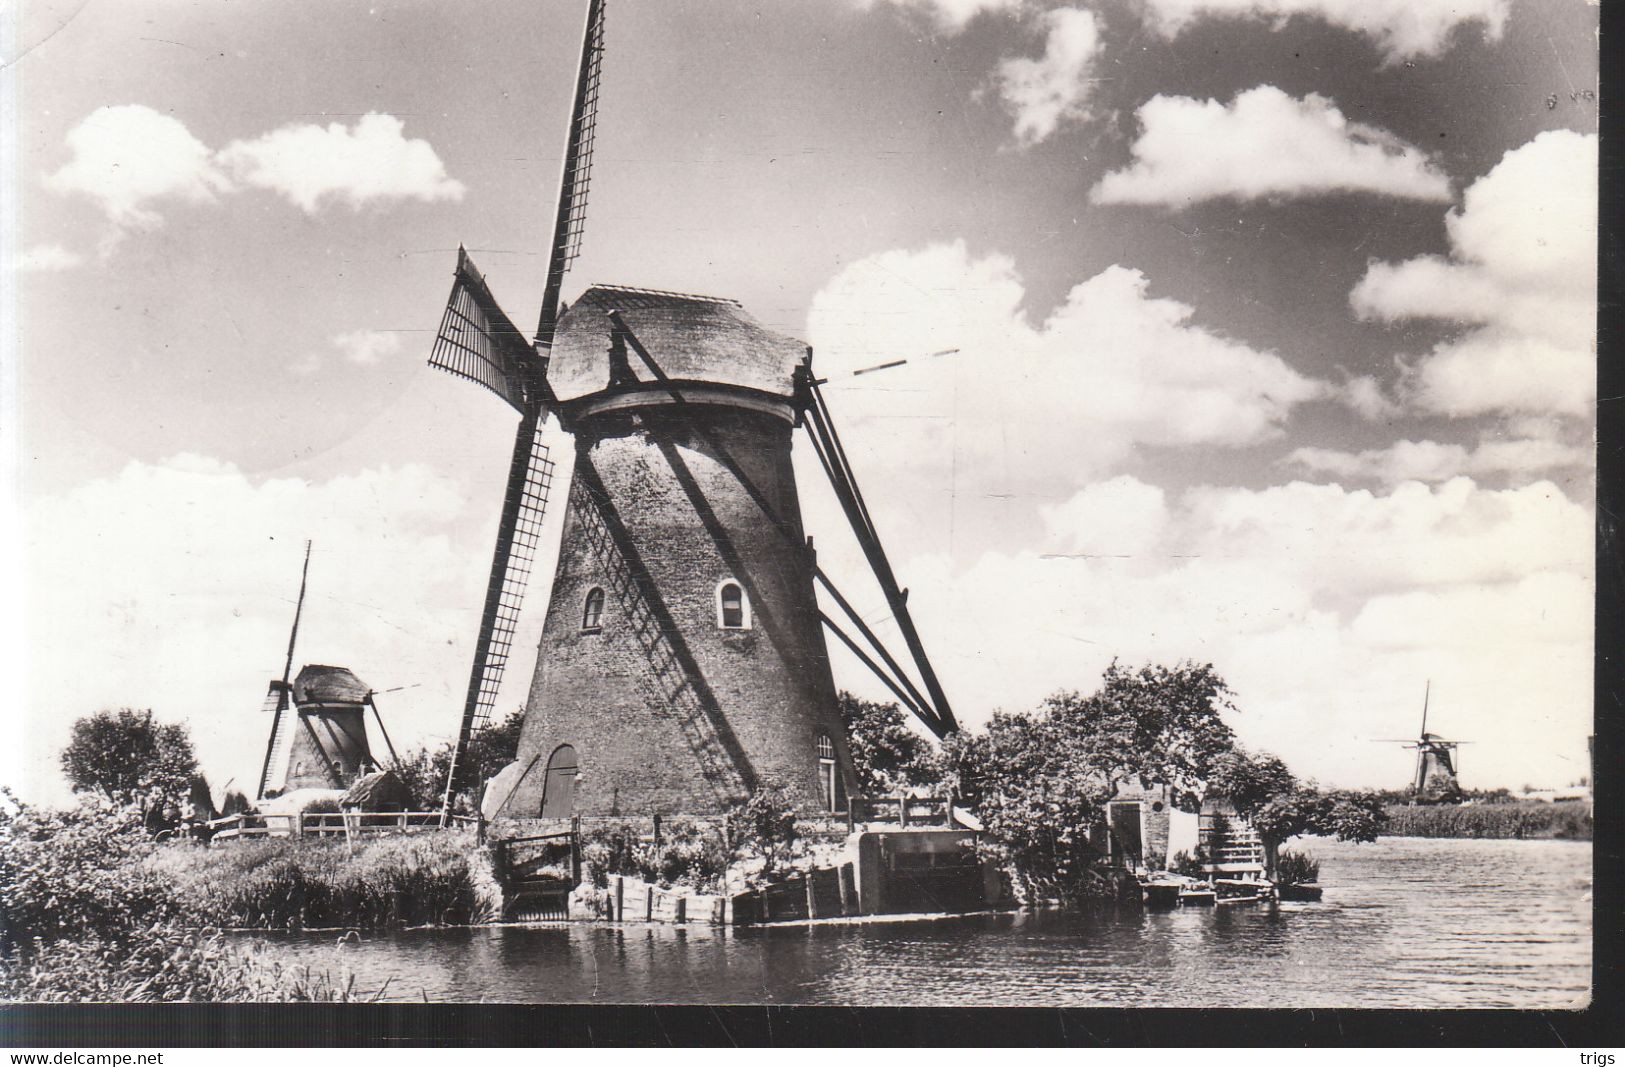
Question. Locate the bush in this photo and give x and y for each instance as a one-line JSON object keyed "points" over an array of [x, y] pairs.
{"points": [[162, 963], [1297, 868], [74, 873], [92, 910], [1184, 863], [763, 827], [688, 853]]}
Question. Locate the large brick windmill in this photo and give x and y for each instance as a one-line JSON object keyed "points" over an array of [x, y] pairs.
{"points": [[682, 662]]}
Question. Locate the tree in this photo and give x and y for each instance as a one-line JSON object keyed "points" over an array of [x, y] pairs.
{"points": [[887, 755], [1163, 724], [125, 756], [1279, 807], [491, 747]]}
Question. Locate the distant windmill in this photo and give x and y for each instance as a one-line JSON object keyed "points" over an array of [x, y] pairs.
{"points": [[318, 736], [682, 663], [1436, 763]]}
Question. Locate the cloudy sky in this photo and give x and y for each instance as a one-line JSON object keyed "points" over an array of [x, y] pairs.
{"points": [[1271, 332]]}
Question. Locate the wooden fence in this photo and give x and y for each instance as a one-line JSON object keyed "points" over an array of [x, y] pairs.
{"points": [[918, 812], [329, 824]]}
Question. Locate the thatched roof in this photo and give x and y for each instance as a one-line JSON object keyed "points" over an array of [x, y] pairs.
{"points": [[318, 684], [379, 791], [692, 338]]}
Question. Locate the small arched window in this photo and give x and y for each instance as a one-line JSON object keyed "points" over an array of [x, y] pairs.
{"points": [[733, 608], [592, 611]]}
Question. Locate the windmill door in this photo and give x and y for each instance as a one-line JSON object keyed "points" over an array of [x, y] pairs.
{"points": [[559, 789], [1126, 846]]}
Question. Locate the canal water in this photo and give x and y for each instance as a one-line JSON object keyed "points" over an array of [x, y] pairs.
{"points": [[1405, 922]]}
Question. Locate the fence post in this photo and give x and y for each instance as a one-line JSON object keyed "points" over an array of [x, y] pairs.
{"points": [[902, 810], [575, 850], [851, 820], [657, 828]]}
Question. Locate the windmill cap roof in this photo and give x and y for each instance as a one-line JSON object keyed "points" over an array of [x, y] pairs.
{"points": [[319, 684], [692, 339]]}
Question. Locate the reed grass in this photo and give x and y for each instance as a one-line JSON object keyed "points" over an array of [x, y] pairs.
{"points": [[426, 879], [1529, 819]]}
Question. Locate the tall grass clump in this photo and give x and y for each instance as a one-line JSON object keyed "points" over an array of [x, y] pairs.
{"points": [[1297, 868], [1530, 819], [389, 881], [85, 916], [164, 963]]}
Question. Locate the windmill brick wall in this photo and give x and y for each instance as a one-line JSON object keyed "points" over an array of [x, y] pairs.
{"points": [[664, 708]]}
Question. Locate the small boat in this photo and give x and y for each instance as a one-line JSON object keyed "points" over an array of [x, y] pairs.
{"points": [[1288, 891], [1197, 897], [1162, 894], [1241, 890]]}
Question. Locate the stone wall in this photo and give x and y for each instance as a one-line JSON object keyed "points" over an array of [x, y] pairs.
{"points": [[1156, 807]]}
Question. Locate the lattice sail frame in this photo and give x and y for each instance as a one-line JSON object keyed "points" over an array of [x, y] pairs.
{"points": [[585, 132], [481, 344], [528, 488]]}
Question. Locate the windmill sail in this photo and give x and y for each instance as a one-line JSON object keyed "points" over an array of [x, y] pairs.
{"points": [[478, 342], [569, 222], [530, 478], [278, 701], [274, 774]]}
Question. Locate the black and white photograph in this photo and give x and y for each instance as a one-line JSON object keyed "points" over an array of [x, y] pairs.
{"points": [[862, 503]]}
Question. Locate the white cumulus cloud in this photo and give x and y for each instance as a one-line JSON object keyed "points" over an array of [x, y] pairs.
{"points": [[1264, 143], [951, 16], [1022, 413], [1520, 276], [1326, 608], [1402, 29], [1053, 89], [1111, 367], [1433, 461], [129, 157], [371, 162]]}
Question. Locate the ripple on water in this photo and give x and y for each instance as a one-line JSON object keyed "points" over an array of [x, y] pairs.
{"points": [[1405, 923]]}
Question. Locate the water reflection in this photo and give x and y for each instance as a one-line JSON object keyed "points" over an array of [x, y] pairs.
{"points": [[1404, 923]]}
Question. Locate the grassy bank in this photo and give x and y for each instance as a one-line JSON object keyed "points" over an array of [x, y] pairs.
{"points": [[1527, 819], [92, 910], [395, 881]]}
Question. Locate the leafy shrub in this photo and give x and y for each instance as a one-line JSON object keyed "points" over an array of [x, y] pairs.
{"points": [[234, 803], [74, 872], [688, 853], [1297, 868], [763, 827], [1184, 863]]}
